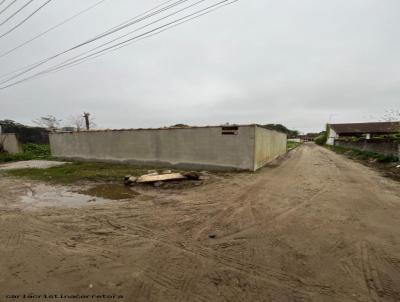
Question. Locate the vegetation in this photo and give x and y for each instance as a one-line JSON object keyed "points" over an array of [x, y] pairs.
{"points": [[31, 151], [323, 137], [26, 134], [281, 128], [363, 155], [180, 126], [292, 145], [81, 171]]}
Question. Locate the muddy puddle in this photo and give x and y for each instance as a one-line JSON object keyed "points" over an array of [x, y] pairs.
{"points": [[40, 196], [110, 191]]}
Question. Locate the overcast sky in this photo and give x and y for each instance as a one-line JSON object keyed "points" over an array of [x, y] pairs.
{"points": [[299, 63]]}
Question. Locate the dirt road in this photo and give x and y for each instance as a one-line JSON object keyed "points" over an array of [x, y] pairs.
{"points": [[314, 227]]}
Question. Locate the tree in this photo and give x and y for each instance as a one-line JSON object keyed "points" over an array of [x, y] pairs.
{"points": [[392, 115], [76, 121], [49, 121], [89, 122], [180, 126], [282, 128]]}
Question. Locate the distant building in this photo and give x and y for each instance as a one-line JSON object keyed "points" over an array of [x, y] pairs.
{"points": [[367, 130], [309, 137]]}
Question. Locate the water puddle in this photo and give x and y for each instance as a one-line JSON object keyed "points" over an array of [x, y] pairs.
{"points": [[110, 191], [40, 196]]}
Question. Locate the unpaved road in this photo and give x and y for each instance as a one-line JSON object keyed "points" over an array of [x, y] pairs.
{"points": [[314, 227]]}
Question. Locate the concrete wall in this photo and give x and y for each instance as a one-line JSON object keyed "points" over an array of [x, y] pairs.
{"points": [[198, 147], [268, 146], [386, 147], [186, 147], [10, 143], [332, 136]]}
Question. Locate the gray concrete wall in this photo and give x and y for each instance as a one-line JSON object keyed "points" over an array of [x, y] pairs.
{"points": [[269, 145], [387, 147], [249, 148], [10, 143], [188, 147]]}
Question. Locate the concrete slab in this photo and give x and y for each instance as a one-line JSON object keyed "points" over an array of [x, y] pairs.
{"points": [[32, 164]]}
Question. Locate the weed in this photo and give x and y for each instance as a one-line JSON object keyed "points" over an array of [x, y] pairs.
{"points": [[363, 155], [292, 145], [30, 151], [81, 171]]}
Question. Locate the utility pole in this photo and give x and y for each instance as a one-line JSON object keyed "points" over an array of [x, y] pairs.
{"points": [[87, 122]]}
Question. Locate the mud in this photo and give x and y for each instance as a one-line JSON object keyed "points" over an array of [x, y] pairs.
{"points": [[110, 191], [31, 164], [316, 226]]}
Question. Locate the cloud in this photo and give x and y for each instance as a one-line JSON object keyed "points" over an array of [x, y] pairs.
{"points": [[290, 62]]}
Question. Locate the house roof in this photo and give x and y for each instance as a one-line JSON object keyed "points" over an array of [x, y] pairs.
{"points": [[362, 128]]}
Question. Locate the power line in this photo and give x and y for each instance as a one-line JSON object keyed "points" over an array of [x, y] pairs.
{"points": [[8, 6], [128, 42], [143, 16], [26, 19], [51, 28], [16, 12], [133, 31], [140, 15], [1, 2]]}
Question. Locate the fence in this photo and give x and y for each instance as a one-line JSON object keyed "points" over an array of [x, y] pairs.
{"points": [[388, 147]]}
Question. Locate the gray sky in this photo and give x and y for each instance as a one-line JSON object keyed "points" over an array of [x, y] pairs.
{"points": [[256, 61]]}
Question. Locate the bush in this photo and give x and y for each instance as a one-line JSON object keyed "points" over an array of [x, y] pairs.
{"points": [[31, 151], [363, 155], [37, 151], [321, 140]]}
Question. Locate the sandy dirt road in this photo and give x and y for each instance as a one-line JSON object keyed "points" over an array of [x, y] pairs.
{"points": [[316, 226]]}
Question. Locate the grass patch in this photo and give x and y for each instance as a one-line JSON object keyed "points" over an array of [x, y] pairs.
{"points": [[30, 151], [363, 155], [81, 171], [292, 145]]}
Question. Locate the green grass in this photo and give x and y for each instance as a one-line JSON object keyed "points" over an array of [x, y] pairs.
{"points": [[292, 145], [30, 151], [81, 171], [363, 155]]}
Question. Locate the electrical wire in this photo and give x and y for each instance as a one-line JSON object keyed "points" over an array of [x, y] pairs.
{"points": [[133, 31], [143, 16], [16, 12], [24, 20], [128, 42], [147, 35], [51, 29], [8, 6]]}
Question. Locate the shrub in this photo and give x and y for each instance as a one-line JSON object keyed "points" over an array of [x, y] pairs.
{"points": [[31, 151], [37, 151], [321, 140]]}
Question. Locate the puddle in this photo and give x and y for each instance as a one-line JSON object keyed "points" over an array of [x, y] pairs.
{"points": [[110, 191], [41, 196]]}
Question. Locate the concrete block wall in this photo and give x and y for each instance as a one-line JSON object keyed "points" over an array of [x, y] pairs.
{"points": [[268, 146], [382, 146], [195, 147], [10, 143]]}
